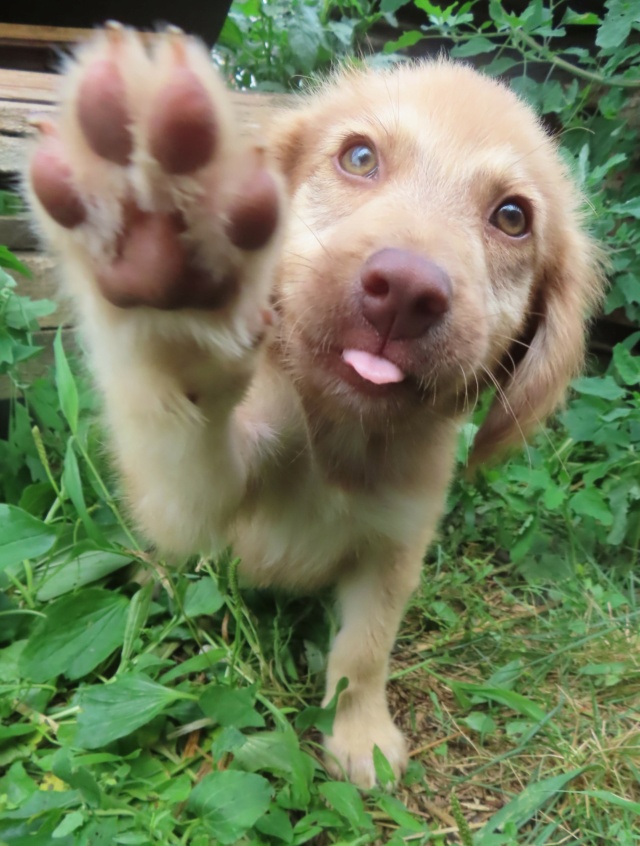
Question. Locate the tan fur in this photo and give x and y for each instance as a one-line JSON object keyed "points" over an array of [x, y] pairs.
{"points": [[219, 440]]}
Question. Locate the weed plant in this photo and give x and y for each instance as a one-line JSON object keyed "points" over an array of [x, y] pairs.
{"points": [[146, 705]]}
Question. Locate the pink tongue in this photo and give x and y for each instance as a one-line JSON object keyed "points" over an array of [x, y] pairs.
{"points": [[373, 368]]}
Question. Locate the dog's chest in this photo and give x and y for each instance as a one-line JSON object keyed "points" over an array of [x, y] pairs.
{"points": [[301, 536]]}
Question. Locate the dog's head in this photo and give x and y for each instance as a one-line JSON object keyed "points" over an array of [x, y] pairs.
{"points": [[434, 248]]}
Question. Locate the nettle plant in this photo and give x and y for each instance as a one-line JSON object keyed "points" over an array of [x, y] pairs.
{"points": [[276, 46]]}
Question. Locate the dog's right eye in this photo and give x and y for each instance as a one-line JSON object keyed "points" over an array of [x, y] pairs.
{"points": [[359, 160]]}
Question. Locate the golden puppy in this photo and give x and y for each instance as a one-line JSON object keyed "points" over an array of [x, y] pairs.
{"points": [[287, 338]]}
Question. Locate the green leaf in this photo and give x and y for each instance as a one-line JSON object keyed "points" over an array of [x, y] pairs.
{"points": [[502, 696], [482, 723], [276, 752], [276, 824], [74, 567], [306, 38], [7, 259], [630, 208], [231, 706], [42, 801], [521, 809], [384, 772], [473, 47], [610, 668], [321, 717], [407, 39], [399, 813], [391, 6], [114, 710], [65, 767], [68, 824], [202, 597], [579, 18], [613, 799], [627, 365], [67, 390], [22, 536], [72, 485], [231, 35], [499, 66], [79, 632], [605, 387], [589, 502], [616, 27], [137, 614], [227, 739], [230, 802], [203, 661], [346, 800]]}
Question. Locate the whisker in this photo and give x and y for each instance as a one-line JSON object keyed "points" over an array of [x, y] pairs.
{"points": [[504, 400], [313, 232]]}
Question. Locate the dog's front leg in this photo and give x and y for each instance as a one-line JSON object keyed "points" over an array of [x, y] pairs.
{"points": [[165, 224], [371, 599]]}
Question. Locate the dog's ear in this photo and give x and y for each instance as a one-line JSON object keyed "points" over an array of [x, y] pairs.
{"points": [[287, 140], [551, 351]]}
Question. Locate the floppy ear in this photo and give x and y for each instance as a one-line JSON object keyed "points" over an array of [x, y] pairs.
{"points": [[570, 286], [286, 141]]}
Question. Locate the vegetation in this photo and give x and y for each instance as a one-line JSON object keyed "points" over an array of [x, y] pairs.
{"points": [[145, 706]]}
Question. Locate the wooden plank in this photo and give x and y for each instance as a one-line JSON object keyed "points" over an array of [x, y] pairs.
{"points": [[27, 34], [12, 156], [29, 94], [28, 86], [253, 111], [16, 233], [14, 116]]}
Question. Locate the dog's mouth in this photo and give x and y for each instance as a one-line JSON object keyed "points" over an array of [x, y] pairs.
{"points": [[367, 374], [375, 369]]}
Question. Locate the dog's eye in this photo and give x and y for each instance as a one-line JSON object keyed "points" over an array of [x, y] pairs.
{"points": [[359, 160], [511, 218]]}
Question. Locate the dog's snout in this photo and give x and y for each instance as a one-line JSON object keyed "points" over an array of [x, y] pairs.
{"points": [[404, 293]]}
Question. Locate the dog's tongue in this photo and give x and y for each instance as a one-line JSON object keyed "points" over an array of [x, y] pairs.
{"points": [[373, 368]]}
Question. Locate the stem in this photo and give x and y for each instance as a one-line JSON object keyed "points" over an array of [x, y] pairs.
{"points": [[42, 455], [590, 76], [108, 498]]}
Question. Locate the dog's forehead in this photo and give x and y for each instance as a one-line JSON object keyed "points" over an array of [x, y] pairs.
{"points": [[443, 109]]}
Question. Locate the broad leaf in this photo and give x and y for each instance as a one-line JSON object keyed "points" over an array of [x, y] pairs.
{"points": [[79, 632], [230, 802], [231, 706], [22, 536], [202, 597], [110, 711], [67, 390]]}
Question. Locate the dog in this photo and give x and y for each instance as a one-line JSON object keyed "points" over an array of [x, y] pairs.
{"points": [[288, 332]]}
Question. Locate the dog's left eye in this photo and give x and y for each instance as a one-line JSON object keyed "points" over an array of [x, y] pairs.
{"points": [[359, 160], [512, 218]]}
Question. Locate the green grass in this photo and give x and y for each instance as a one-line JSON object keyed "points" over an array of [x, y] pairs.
{"points": [[141, 705], [138, 714]]}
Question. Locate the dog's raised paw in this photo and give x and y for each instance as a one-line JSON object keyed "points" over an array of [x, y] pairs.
{"points": [[144, 177]]}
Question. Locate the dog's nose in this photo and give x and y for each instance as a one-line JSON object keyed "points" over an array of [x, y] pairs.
{"points": [[404, 293]]}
